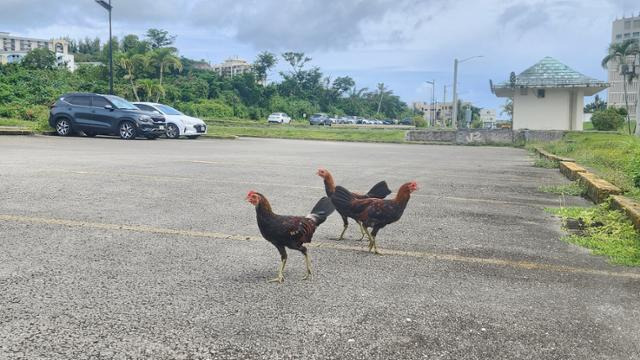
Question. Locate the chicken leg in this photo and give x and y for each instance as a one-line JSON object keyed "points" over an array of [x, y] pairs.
{"points": [[361, 231], [372, 242], [280, 277], [307, 261]]}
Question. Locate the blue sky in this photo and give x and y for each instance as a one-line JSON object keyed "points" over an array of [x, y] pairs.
{"points": [[399, 42]]}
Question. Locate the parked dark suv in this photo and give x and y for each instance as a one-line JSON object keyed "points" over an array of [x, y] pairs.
{"points": [[95, 114]]}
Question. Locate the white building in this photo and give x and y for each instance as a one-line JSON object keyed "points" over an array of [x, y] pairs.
{"points": [[623, 29], [488, 118], [548, 96], [443, 111], [232, 67], [14, 48]]}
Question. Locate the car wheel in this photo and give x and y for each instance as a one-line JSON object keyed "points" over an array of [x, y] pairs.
{"points": [[63, 127], [127, 130], [172, 131], [193, 137], [89, 133]]}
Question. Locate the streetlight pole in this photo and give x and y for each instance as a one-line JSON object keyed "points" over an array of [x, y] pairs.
{"points": [[454, 120], [107, 6], [454, 104]]}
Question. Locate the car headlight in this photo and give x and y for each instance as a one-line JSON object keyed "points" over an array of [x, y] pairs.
{"points": [[145, 118]]}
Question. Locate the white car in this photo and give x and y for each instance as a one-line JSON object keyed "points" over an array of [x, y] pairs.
{"points": [[280, 118], [178, 124]]}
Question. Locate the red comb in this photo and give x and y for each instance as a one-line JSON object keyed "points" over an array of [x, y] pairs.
{"points": [[251, 192]]}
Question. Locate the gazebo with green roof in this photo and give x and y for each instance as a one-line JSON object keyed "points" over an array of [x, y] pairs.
{"points": [[548, 96]]}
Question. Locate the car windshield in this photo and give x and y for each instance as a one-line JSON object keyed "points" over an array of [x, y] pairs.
{"points": [[121, 103], [168, 110]]}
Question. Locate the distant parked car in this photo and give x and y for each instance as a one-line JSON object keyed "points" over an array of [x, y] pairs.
{"points": [[319, 119], [406, 121], [388, 122], [178, 124], [279, 118], [95, 114]]}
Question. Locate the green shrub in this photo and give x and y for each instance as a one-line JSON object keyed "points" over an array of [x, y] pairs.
{"points": [[419, 121], [208, 108], [607, 120]]}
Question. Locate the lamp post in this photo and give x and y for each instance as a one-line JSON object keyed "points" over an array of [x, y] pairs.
{"points": [[433, 96], [107, 6], [454, 113]]}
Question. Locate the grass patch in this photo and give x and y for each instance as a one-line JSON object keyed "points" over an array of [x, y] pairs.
{"points": [[613, 156], [299, 130], [604, 231], [573, 189], [16, 122], [546, 163]]}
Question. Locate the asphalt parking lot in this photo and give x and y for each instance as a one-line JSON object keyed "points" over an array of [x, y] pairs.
{"points": [[147, 249]]}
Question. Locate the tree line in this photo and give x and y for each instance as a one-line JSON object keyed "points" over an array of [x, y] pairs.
{"points": [[151, 69]]}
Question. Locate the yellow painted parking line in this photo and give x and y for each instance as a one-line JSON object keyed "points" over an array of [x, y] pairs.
{"points": [[258, 183], [525, 265]]}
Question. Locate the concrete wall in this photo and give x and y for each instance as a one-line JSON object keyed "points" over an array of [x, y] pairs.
{"points": [[448, 136], [484, 136]]}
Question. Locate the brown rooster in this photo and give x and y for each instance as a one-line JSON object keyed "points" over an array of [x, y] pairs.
{"points": [[374, 213], [378, 191], [289, 231]]}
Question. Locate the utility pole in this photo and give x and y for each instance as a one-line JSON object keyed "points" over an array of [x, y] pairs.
{"points": [[433, 103], [444, 105], [107, 6], [454, 104], [110, 54], [455, 88]]}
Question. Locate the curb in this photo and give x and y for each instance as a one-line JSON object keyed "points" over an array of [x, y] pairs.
{"points": [[629, 207], [15, 131], [571, 170], [552, 157], [598, 190]]}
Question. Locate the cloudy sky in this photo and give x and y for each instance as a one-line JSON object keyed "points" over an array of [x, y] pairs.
{"points": [[399, 42]]}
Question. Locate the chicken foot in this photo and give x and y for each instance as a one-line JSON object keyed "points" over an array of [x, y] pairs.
{"points": [[280, 277]]}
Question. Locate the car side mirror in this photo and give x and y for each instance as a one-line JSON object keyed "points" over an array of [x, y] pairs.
{"points": [[108, 107]]}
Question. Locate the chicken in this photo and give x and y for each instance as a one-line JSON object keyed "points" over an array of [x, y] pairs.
{"points": [[374, 213], [379, 191], [289, 231]]}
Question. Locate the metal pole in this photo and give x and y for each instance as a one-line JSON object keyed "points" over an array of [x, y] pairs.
{"points": [[110, 54], [444, 105], [433, 103], [454, 111]]}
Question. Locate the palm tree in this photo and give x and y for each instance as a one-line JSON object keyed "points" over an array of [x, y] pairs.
{"points": [[636, 74], [130, 63], [165, 60], [382, 91], [619, 54], [151, 89], [507, 108]]}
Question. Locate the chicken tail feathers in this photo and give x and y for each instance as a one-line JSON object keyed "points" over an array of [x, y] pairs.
{"points": [[380, 190], [323, 208]]}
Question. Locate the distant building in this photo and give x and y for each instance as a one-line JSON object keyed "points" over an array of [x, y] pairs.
{"points": [[623, 29], [488, 118], [548, 96], [443, 111], [14, 48], [232, 67]]}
